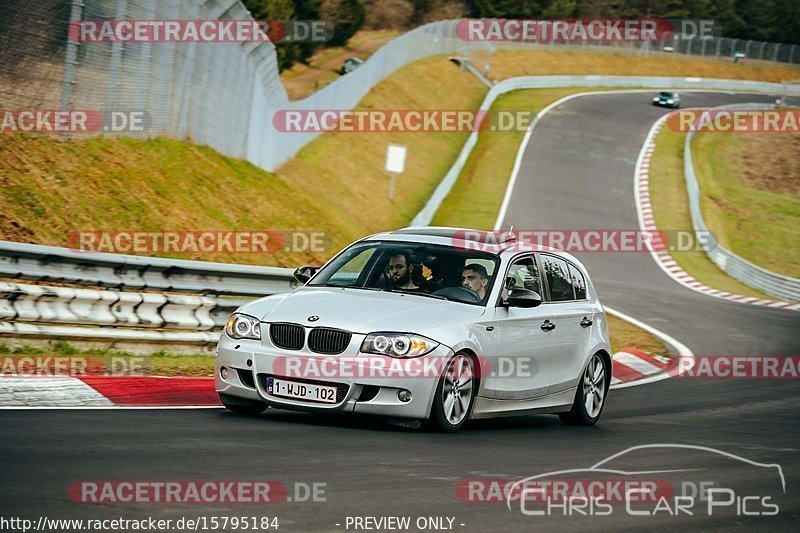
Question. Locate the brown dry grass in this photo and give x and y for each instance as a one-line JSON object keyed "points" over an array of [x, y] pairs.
{"points": [[769, 162], [626, 335], [509, 63]]}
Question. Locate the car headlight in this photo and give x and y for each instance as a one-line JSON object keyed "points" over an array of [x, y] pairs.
{"points": [[656, 99], [397, 344], [670, 101], [241, 326]]}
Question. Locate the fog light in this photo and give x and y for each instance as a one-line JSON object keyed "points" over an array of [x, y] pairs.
{"points": [[404, 395], [223, 372]]}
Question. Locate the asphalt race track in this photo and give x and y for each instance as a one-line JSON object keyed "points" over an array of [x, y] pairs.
{"points": [[577, 173]]}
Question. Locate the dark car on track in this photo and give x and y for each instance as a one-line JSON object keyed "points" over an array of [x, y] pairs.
{"points": [[350, 65], [667, 99]]}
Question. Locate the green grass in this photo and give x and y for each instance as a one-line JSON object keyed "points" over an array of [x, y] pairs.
{"points": [[670, 204], [749, 199]]}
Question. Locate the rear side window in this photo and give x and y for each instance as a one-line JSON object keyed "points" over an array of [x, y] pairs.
{"points": [[578, 282], [558, 278]]}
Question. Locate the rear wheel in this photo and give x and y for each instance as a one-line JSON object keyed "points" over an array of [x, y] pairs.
{"points": [[591, 394], [455, 395], [242, 406]]}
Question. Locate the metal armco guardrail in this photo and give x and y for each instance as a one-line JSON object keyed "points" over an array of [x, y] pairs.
{"points": [[139, 299], [130, 272], [771, 283]]}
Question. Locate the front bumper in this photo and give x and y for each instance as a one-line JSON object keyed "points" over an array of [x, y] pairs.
{"points": [[364, 390]]}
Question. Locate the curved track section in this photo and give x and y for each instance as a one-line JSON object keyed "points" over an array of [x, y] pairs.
{"points": [[577, 172]]}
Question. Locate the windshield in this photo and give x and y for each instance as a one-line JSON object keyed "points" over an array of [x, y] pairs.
{"points": [[424, 269], [667, 95]]}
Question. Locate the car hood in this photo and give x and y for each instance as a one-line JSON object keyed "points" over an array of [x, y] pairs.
{"points": [[362, 311]]}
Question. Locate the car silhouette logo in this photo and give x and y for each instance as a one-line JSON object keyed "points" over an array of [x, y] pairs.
{"points": [[313, 318]]}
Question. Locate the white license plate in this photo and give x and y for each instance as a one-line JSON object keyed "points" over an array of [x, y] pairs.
{"points": [[301, 391]]}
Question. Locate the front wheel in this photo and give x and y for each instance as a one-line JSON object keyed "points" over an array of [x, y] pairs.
{"points": [[455, 395], [591, 394], [242, 406]]}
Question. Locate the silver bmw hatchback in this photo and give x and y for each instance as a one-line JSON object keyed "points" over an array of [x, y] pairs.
{"points": [[425, 325]]}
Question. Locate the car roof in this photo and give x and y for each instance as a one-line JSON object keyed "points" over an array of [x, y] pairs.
{"points": [[500, 241]]}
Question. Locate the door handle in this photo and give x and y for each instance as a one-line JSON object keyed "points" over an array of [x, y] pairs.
{"points": [[548, 326], [586, 322]]}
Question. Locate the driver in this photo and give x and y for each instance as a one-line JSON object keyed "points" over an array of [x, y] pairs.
{"points": [[475, 278], [401, 267]]}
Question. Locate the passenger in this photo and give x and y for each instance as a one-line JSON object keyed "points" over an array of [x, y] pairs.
{"points": [[401, 269], [475, 277]]}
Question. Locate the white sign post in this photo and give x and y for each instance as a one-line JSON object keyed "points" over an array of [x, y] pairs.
{"points": [[395, 164]]}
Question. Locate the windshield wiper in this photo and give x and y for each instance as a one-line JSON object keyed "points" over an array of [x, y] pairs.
{"points": [[438, 297]]}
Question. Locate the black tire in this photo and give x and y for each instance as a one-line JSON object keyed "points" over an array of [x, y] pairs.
{"points": [[438, 420], [242, 406], [578, 415]]}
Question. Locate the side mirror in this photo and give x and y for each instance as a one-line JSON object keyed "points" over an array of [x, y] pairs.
{"points": [[519, 297], [305, 273]]}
